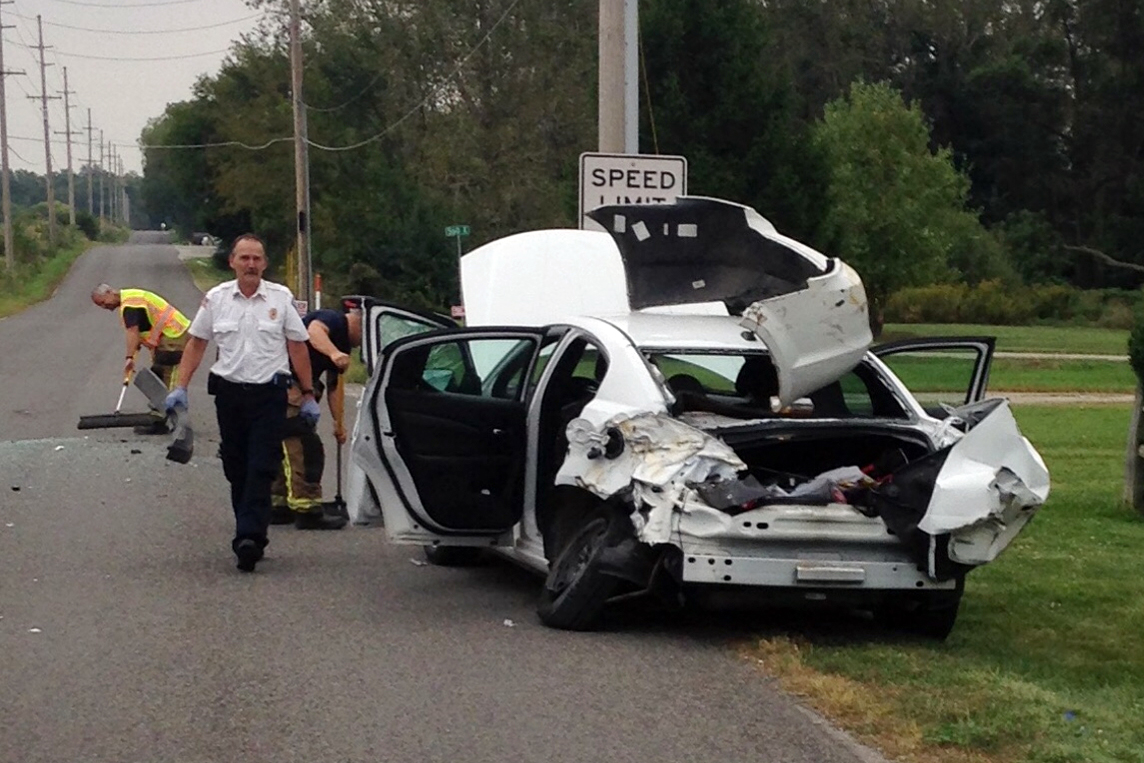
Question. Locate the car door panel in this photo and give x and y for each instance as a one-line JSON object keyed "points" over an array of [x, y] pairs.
{"points": [[930, 364], [449, 439]]}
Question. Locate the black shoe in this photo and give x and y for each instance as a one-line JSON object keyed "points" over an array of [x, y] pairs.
{"points": [[281, 515], [248, 553], [318, 520]]}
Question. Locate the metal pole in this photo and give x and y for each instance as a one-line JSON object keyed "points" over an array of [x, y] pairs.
{"points": [[618, 104], [301, 158]]}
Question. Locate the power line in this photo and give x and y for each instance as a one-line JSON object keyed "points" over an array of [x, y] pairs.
{"points": [[125, 58], [371, 139], [127, 5], [147, 31]]}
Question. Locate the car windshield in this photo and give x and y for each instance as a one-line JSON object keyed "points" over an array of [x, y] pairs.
{"points": [[743, 385]]}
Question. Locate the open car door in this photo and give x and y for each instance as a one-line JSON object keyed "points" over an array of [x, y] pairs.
{"points": [[384, 323], [444, 434], [941, 370]]}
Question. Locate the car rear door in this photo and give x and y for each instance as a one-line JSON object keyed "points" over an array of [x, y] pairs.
{"points": [[941, 370], [445, 423]]}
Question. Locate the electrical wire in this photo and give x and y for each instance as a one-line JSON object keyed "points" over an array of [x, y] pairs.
{"points": [[367, 141], [146, 31], [427, 98], [127, 5], [66, 54]]}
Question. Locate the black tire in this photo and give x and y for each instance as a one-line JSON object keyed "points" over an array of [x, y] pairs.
{"points": [[929, 616], [576, 589], [454, 556]]}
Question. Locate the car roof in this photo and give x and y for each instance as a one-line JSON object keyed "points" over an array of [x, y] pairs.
{"points": [[686, 331]]}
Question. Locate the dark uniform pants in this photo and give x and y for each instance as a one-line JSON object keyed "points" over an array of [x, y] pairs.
{"points": [[250, 424]]}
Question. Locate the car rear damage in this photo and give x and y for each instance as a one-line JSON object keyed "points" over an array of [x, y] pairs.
{"points": [[909, 513]]}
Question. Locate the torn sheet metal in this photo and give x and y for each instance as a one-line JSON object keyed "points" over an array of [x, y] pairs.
{"points": [[815, 335], [654, 455], [990, 485]]}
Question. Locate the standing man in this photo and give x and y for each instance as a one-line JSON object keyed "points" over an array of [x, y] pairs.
{"points": [[259, 334], [152, 322], [297, 492]]}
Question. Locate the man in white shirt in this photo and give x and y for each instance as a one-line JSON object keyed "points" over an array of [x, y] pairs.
{"points": [[259, 334]]}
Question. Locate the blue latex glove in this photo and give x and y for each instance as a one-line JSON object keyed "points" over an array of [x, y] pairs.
{"points": [[177, 396], [310, 412]]}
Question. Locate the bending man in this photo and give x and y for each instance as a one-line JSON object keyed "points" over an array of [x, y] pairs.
{"points": [[297, 492], [152, 322]]}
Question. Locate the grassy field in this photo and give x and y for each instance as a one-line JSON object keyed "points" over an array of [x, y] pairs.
{"points": [[1065, 339], [1046, 662], [1017, 375], [31, 286]]}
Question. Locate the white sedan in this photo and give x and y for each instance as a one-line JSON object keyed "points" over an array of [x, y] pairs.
{"points": [[685, 403]]}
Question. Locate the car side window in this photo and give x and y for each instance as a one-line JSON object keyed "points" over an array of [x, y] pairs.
{"points": [[482, 367]]}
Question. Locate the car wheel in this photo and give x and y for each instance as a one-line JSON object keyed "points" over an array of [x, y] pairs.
{"points": [[929, 617], [576, 589], [453, 556]]}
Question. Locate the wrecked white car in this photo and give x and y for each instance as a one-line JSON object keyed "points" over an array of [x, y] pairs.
{"points": [[687, 401]]}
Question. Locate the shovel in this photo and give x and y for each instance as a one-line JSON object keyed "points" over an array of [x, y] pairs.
{"points": [[339, 508], [116, 419]]}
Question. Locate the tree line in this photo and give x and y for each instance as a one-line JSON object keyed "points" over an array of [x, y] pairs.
{"points": [[922, 141]]}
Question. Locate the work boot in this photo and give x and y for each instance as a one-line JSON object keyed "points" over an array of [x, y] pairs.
{"points": [[316, 519], [248, 553], [281, 515]]}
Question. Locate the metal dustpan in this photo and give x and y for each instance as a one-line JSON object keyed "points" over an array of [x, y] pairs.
{"points": [[182, 445]]}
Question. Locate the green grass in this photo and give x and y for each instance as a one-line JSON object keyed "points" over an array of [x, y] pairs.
{"points": [[1065, 339], [1046, 662], [940, 374], [31, 284]]}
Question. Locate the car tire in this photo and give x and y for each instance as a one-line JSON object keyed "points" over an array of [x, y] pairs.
{"points": [[931, 616], [453, 556], [576, 588]]}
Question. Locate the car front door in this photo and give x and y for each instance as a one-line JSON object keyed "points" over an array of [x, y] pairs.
{"points": [[446, 434], [941, 370]]}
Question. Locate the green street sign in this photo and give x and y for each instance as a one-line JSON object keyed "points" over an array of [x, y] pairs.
{"points": [[457, 230]]}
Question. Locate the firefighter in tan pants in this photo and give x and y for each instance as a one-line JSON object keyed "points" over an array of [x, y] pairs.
{"points": [[297, 493]]}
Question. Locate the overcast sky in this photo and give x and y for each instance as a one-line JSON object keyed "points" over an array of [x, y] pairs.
{"points": [[122, 94]]}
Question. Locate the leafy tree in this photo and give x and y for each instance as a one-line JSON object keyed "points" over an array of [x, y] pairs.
{"points": [[717, 97], [896, 210]]}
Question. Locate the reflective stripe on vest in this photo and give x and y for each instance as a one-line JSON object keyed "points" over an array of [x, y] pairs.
{"points": [[165, 319]]}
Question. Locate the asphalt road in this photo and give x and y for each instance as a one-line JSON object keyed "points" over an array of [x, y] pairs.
{"points": [[127, 635]]}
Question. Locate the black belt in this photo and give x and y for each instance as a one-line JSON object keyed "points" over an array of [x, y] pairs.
{"points": [[216, 383]]}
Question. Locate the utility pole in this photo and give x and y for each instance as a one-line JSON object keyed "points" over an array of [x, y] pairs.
{"points": [[68, 133], [618, 105], [101, 147], [5, 179], [301, 158], [44, 98], [90, 167], [113, 185]]}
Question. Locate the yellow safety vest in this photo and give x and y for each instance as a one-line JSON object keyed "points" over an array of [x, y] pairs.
{"points": [[165, 319]]}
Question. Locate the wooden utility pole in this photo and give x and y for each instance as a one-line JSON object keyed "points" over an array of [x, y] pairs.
{"points": [[68, 134], [301, 158], [113, 186], [5, 179], [44, 98], [101, 148], [90, 167]]}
